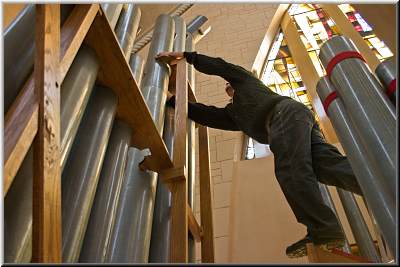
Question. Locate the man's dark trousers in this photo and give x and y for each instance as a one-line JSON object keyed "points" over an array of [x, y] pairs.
{"points": [[302, 158]]}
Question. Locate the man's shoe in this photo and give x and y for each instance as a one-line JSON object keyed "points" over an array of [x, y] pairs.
{"points": [[329, 243], [298, 249]]}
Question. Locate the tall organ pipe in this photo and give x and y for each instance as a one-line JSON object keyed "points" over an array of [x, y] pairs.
{"points": [[136, 63], [127, 27], [326, 196], [75, 93], [156, 74], [19, 49], [195, 24], [77, 88], [130, 239], [146, 37], [18, 215], [112, 12], [387, 74], [161, 229], [358, 226], [370, 110], [378, 200], [82, 170], [102, 213]]}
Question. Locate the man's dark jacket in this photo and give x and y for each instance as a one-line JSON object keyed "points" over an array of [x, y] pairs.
{"points": [[252, 100]]}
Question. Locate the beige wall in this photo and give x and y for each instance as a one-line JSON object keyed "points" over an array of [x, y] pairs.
{"points": [[237, 31]]}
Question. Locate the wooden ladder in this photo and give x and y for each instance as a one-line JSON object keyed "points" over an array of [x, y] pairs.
{"points": [[34, 119]]}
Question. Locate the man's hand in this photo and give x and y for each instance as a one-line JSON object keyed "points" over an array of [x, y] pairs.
{"points": [[170, 58]]}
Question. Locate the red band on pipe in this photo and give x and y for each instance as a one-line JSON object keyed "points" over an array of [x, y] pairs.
{"points": [[328, 100], [391, 88], [339, 57]]}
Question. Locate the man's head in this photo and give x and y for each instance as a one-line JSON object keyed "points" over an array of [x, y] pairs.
{"points": [[229, 90]]}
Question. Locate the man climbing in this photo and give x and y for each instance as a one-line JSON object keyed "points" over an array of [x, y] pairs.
{"points": [[301, 154]]}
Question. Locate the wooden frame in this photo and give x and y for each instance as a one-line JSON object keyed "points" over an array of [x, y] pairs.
{"points": [[316, 254], [34, 118]]}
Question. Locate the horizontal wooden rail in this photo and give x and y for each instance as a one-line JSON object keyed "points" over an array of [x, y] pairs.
{"points": [[173, 174], [116, 74]]}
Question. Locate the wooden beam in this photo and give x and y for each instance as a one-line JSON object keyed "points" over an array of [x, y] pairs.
{"points": [[46, 213], [172, 83], [173, 174], [308, 74], [207, 243], [346, 28], [181, 110], [116, 74], [74, 31], [194, 227], [179, 191], [316, 254], [20, 128]]}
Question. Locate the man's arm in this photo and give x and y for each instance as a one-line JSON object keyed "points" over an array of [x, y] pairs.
{"points": [[208, 65], [209, 116], [217, 66]]}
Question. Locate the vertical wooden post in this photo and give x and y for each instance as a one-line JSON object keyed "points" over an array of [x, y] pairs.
{"points": [[46, 224], [206, 215], [179, 216]]}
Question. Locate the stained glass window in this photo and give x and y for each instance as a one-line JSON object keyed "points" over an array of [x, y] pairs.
{"points": [[380, 49]]}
